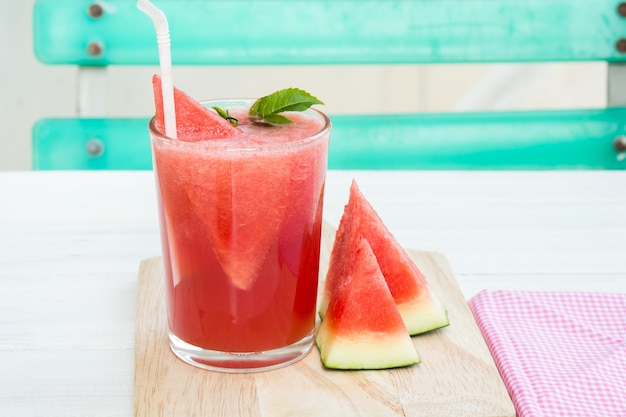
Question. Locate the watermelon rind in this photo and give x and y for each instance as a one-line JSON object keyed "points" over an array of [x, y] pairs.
{"points": [[373, 351], [423, 315]]}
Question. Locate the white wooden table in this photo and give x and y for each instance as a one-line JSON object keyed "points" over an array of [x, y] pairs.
{"points": [[71, 243]]}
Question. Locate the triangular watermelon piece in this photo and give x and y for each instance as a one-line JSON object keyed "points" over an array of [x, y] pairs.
{"points": [[207, 190], [419, 307], [242, 238], [194, 122], [362, 328]]}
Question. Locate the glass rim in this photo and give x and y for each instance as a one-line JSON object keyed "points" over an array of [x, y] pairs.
{"points": [[224, 145]]}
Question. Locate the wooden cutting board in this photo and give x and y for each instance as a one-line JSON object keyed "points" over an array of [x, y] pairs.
{"points": [[457, 376]]}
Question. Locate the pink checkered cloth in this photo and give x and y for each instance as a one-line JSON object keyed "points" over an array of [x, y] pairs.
{"points": [[559, 354]]}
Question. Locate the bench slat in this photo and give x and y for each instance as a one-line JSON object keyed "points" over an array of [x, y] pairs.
{"points": [[573, 139], [243, 32]]}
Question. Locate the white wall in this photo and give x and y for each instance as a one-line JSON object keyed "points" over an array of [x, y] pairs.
{"points": [[30, 90]]}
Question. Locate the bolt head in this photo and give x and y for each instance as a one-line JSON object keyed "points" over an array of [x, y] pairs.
{"points": [[95, 10], [95, 49], [95, 148]]}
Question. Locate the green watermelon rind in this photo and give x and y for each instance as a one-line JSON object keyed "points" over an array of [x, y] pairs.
{"points": [[425, 315], [389, 351]]}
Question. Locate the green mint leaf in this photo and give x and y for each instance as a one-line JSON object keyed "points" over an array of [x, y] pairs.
{"points": [[288, 99], [221, 111], [226, 115], [277, 119]]}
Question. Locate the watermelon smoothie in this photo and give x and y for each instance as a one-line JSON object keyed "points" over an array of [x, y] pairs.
{"points": [[240, 227]]}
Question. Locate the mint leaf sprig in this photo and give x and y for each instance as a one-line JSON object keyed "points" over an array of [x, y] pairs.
{"points": [[267, 108], [226, 115]]}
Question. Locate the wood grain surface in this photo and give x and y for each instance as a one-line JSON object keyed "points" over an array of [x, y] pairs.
{"points": [[457, 376]]}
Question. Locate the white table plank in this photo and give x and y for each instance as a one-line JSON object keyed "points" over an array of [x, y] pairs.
{"points": [[71, 243]]}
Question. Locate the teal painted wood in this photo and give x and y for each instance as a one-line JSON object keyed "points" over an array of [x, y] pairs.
{"points": [[65, 144], [574, 139], [579, 139], [211, 32]]}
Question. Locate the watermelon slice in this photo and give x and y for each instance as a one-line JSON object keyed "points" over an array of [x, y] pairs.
{"points": [[420, 309], [194, 122], [362, 328]]}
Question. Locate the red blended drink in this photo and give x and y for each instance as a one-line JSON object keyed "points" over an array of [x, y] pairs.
{"points": [[241, 223]]}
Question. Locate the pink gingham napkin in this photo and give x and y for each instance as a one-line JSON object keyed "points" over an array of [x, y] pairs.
{"points": [[559, 353]]}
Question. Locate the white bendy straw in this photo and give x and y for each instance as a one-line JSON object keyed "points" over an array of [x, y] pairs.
{"points": [[165, 58]]}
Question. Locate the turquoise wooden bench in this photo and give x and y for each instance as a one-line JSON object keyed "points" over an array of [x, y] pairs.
{"points": [[95, 35]]}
